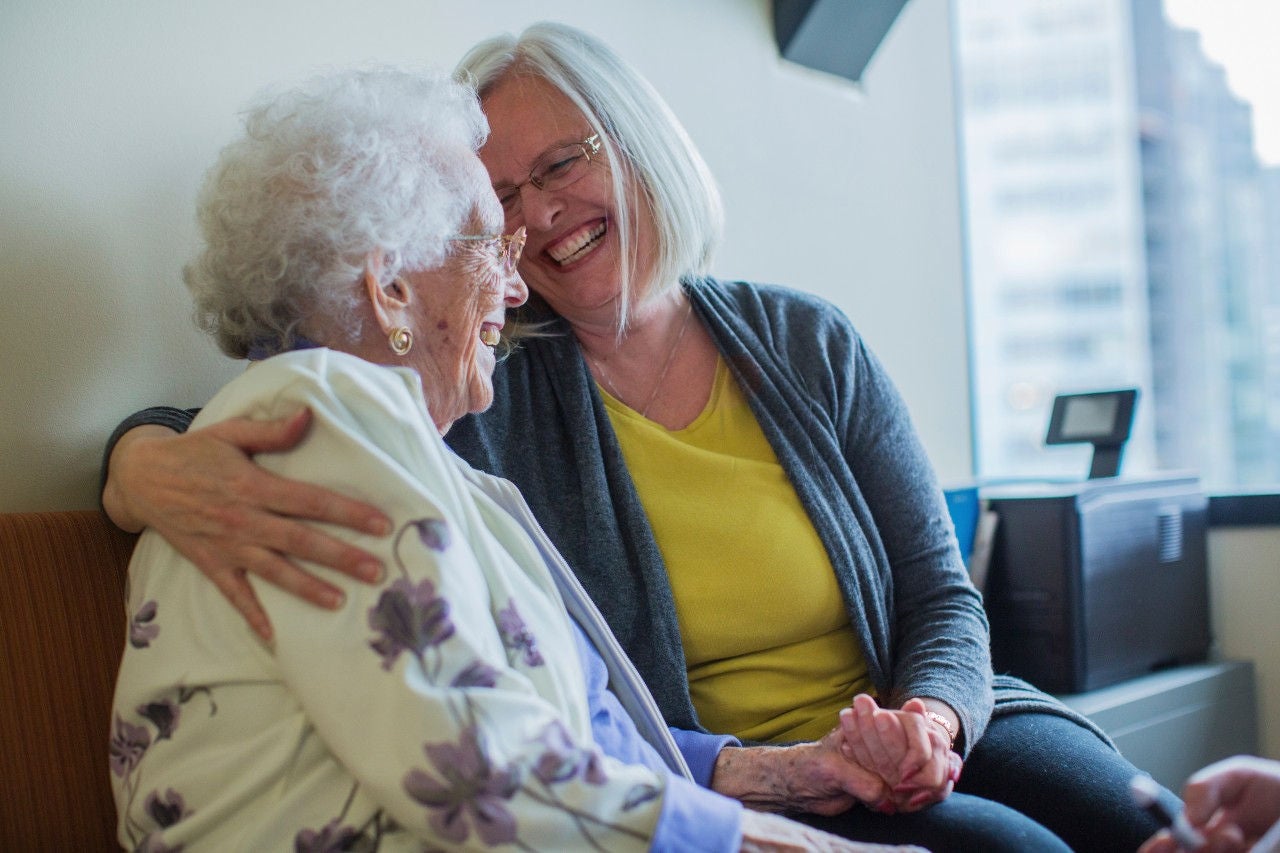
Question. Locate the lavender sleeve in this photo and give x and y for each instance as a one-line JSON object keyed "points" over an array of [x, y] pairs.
{"points": [[692, 817]]}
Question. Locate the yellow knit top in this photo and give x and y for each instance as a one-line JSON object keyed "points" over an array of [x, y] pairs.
{"points": [[768, 646]]}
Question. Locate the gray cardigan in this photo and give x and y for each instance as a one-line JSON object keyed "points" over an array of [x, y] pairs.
{"points": [[845, 439]]}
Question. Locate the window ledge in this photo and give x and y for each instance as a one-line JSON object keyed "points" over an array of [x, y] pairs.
{"points": [[1244, 510]]}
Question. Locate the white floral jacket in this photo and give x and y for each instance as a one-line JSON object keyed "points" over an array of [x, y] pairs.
{"points": [[443, 708]]}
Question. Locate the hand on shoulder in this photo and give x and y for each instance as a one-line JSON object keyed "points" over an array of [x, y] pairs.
{"points": [[203, 493]]}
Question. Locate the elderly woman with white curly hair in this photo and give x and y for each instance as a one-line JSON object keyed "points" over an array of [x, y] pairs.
{"points": [[474, 697]]}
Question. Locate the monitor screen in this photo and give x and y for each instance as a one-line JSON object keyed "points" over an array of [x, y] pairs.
{"points": [[1100, 417], [1089, 417]]}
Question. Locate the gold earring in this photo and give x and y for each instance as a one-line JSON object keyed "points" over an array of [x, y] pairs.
{"points": [[401, 340]]}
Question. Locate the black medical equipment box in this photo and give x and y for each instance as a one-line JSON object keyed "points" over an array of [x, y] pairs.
{"points": [[1094, 582]]}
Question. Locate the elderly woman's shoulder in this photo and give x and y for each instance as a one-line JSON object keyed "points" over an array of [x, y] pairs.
{"points": [[310, 375], [319, 362]]}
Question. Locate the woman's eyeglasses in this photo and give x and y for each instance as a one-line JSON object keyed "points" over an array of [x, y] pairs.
{"points": [[555, 170], [508, 246]]}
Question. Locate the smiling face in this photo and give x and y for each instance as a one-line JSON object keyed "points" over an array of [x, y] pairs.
{"points": [[456, 307], [573, 257]]}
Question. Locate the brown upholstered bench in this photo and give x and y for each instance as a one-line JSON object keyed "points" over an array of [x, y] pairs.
{"points": [[62, 627]]}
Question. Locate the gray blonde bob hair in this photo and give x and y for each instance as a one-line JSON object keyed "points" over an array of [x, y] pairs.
{"points": [[344, 166], [641, 136]]}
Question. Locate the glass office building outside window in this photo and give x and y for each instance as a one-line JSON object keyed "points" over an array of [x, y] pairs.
{"points": [[1122, 233]]}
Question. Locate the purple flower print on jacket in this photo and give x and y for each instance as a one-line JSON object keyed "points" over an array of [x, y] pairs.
{"points": [[165, 810], [517, 636], [562, 760], [409, 617], [433, 532], [467, 789], [337, 836], [476, 674], [142, 627], [128, 744], [333, 837], [163, 715], [471, 792]]}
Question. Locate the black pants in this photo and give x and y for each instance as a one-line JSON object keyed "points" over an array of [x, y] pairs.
{"points": [[1035, 782]]}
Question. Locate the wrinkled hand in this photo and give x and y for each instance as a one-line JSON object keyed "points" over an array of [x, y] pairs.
{"points": [[1232, 802], [811, 777], [202, 492], [767, 833], [911, 754]]}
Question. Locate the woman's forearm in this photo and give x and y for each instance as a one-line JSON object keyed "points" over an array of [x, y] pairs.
{"points": [[754, 775], [115, 492], [808, 777], [117, 503]]}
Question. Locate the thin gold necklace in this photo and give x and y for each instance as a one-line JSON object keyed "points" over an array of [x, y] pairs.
{"points": [[666, 367]]}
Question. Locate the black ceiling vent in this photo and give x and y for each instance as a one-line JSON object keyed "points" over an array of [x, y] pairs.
{"points": [[836, 36]]}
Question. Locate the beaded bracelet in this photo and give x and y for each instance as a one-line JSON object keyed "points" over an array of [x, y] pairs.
{"points": [[946, 726]]}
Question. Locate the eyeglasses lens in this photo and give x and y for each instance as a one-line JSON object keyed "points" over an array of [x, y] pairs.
{"points": [[556, 170]]}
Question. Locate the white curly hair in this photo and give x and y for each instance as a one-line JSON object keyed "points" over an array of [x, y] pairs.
{"points": [[325, 174]]}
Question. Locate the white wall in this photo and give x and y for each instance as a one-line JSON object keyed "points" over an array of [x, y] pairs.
{"points": [[1244, 590], [113, 111]]}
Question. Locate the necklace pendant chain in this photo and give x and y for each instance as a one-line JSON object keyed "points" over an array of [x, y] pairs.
{"points": [[671, 356], [666, 367], [604, 377]]}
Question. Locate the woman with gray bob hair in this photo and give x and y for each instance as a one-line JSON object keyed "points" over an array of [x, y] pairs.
{"points": [[473, 696], [650, 148]]}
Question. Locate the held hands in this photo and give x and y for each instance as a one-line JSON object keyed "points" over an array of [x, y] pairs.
{"points": [[908, 751], [1232, 803], [809, 777], [202, 492], [890, 761]]}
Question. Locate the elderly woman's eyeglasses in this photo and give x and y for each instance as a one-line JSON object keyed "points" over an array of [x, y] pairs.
{"points": [[508, 246], [555, 170]]}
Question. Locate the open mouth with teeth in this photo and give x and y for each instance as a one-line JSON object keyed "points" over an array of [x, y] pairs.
{"points": [[490, 335], [578, 245]]}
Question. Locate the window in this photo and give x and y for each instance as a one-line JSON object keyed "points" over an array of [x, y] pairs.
{"points": [[1123, 232]]}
